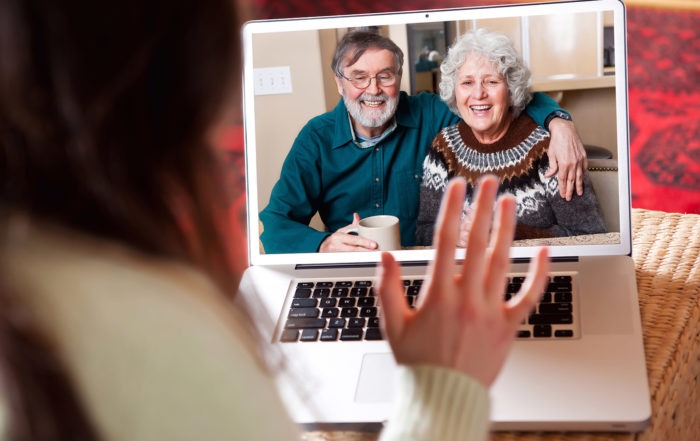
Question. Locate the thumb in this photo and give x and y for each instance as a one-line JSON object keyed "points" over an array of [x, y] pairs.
{"points": [[355, 222], [553, 168]]}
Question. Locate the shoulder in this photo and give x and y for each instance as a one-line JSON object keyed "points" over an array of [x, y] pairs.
{"points": [[153, 346]]}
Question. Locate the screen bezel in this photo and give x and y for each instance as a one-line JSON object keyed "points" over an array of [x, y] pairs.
{"points": [[256, 257]]}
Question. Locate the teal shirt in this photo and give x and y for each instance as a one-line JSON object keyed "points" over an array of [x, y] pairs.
{"points": [[326, 172]]}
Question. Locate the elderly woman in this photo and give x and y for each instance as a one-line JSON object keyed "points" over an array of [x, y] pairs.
{"points": [[486, 83]]}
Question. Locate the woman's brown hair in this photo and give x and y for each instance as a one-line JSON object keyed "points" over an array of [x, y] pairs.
{"points": [[105, 109]]}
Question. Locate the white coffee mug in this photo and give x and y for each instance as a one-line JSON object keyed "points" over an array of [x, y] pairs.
{"points": [[383, 229]]}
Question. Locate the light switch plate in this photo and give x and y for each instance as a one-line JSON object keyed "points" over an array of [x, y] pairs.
{"points": [[272, 80]]}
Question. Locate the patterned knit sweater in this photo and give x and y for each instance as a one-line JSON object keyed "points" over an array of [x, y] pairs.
{"points": [[520, 161]]}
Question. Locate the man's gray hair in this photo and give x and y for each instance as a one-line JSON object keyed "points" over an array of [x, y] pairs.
{"points": [[498, 49], [356, 42]]}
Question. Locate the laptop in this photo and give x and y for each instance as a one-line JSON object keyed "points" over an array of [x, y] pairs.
{"points": [[585, 371]]}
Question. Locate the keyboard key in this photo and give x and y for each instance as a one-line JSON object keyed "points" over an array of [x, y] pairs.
{"points": [[546, 297], [563, 333], [303, 313], [558, 287], [556, 308], [343, 284], [329, 335], [305, 323], [322, 292], [551, 319], [564, 297], [353, 334], [347, 302], [309, 335], [368, 311], [406, 283], [371, 292], [513, 288], [518, 279], [305, 285], [417, 282], [336, 323], [340, 292], [542, 331], [356, 323], [523, 334], [327, 302], [324, 284], [562, 279], [413, 290], [363, 284], [411, 300], [330, 312], [304, 303], [365, 301], [358, 292], [349, 312], [373, 322], [289, 335], [373, 334], [302, 293]]}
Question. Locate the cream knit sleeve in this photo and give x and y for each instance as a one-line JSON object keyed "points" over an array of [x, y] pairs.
{"points": [[435, 403]]}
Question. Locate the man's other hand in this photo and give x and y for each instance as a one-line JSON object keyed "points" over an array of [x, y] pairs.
{"points": [[342, 241], [567, 157]]}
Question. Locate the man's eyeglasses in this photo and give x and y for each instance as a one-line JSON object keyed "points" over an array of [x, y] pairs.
{"points": [[362, 81]]}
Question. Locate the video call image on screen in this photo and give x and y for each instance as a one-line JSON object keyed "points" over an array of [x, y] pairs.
{"points": [[570, 56]]}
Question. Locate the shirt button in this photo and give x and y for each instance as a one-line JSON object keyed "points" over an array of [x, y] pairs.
{"points": [[415, 176], [376, 179], [376, 149], [376, 205]]}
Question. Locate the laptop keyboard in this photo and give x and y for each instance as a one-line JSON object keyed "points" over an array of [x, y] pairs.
{"points": [[347, 310]]}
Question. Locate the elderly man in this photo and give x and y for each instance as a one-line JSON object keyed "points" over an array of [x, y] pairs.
{"points": [[365, 157]]}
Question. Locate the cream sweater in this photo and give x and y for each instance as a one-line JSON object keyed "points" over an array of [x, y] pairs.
{"points": [[156, 352]]}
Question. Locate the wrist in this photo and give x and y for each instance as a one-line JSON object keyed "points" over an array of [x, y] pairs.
{"points": [[556, 117]]}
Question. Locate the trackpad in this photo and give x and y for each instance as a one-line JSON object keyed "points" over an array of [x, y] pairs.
{"points": [[376, 382]]}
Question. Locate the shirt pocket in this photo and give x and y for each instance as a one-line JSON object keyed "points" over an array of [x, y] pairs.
{"points": [[407, 192]]}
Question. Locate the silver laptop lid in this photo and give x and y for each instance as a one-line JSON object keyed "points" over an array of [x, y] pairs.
{"points": [[575, 50]]}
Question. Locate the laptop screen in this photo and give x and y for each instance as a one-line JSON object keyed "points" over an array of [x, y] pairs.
{"points": [[576, 54]]}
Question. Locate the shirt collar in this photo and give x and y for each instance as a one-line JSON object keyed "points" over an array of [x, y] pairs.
{"points": [[343, 134]]}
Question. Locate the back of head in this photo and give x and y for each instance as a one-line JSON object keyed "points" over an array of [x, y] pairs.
{"points": [[355, 43], [105, 109]]}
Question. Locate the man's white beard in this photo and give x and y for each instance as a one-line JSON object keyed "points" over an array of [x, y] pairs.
{"points": [[368, 117]]}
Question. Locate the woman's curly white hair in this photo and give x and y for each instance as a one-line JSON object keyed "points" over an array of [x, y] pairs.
{"points": [[498, 49]]}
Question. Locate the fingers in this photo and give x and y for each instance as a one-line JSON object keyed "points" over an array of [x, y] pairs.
{"points": [[446, 232], [391, 296], [474, 262], [501, 240], [346, 242], [579, 181], [553, 168], [522, 304], [567, 182]]}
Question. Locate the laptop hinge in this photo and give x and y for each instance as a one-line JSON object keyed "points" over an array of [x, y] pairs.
{"points": [[554, 259], [305, 266]]}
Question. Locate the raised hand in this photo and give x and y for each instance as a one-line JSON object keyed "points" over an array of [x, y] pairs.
{"points": [[462, 320]]}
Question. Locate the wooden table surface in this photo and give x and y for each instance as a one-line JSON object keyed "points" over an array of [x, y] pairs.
{"points": [[666, 251]]}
